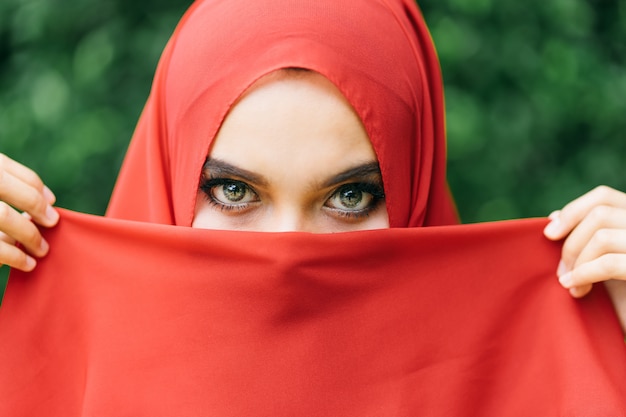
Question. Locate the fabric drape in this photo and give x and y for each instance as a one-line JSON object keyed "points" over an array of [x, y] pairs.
{"points": [[132, 319]]}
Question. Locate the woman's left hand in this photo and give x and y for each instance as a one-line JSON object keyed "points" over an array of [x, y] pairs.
{"points": [[594, 250]]}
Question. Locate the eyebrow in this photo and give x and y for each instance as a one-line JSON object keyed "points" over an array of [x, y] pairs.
{"points": [[360, 171], [218, 167]]}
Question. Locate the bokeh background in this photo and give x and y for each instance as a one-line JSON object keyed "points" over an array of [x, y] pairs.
{"points": [[535, 95]]}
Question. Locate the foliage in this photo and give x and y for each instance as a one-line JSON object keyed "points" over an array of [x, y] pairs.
{"points": [[535, 101], [73, 79], [535, 95]]}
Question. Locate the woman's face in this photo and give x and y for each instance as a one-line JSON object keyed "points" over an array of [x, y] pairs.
{"points": [[292, 155]]}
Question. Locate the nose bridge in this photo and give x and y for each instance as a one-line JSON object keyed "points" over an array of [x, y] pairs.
{"points": [[289, 218]]}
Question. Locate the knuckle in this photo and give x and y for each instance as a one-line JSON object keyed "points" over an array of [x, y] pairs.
{"points": [[599, 214], [609, 266], [602, 192], [602, 239], [33, 202], [33, 179]]}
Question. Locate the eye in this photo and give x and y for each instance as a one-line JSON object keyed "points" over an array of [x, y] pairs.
{"points": [[350, 198], [229, 194], [235, 192], [355, 198]]}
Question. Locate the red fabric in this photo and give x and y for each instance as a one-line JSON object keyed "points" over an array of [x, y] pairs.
{"points": [[133, 319], [377, 52]]}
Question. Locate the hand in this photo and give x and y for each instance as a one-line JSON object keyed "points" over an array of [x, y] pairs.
{"points": [[594, 250], [21, 189]]}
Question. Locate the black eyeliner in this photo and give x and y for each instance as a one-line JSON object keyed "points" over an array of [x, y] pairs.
{"points": [[375, 189], [208, 184]]}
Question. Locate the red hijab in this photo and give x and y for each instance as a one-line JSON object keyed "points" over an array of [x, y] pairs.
{"points": [[378, 53]]}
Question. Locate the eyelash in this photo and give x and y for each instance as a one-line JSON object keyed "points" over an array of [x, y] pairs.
{"points": [[374, 189], [208, 184]]}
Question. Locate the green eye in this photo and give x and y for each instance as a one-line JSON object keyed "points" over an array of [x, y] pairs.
{"points": [[229, 193], [351, 198], [234, 192]]}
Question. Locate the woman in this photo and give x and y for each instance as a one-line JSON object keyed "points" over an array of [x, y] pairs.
{"points": [[230, 198], [288, 116]]}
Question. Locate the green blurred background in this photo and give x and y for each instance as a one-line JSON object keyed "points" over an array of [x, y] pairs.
{"points": [[535, 95]]}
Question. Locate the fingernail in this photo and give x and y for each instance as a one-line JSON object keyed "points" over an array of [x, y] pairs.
{"points": [[554, 214], [49, 195], [566, 280], [52, 214], [44, 246], [30, 263], [562, 269], [552, 229]]}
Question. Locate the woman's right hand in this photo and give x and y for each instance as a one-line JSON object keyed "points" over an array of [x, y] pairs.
{"points": [[21, 190]]}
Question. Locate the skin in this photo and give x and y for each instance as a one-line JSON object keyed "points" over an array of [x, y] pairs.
{"points": [[303, 148], [281, 153], [21, 189], [594, 250]]}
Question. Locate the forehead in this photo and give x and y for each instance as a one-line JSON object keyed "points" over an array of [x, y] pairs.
{"points": [[290, 122]]}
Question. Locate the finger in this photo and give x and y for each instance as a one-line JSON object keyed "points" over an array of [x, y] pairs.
{"points": [[594, 235], [573, 213], [25, 197], [15, 258], [608, 266], [26, 175], [7, 239], [603, 242], [554, 215], [580, 291], [22, 230]]}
